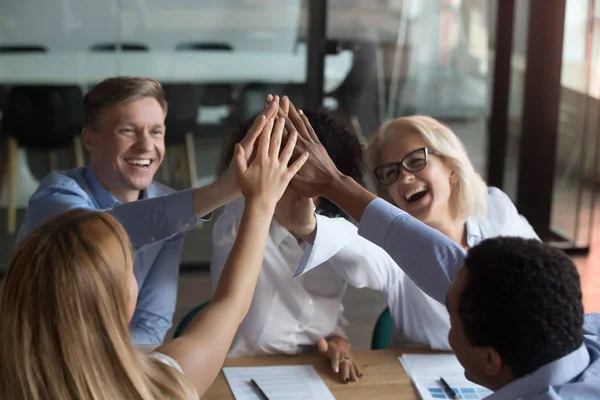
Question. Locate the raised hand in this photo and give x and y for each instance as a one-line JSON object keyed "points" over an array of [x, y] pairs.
{"points": [[248, 145], [319, 173], [264, 179]]}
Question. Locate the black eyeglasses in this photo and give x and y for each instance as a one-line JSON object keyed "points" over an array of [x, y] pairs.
{"points": [[413, 162]]}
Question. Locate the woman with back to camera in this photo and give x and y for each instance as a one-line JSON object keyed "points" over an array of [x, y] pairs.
{"points": [[422, 167], [70, 292]]}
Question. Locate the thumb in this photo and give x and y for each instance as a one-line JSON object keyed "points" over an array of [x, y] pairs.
{"points": [[323, 345], [239, 158]]}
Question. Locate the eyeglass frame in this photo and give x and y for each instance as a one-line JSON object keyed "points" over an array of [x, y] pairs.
{"points": [[399, 164]]}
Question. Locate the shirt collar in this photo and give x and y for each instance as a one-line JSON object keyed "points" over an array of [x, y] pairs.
{"points": [[555, 373], [104, 198], [278, 233], [474, 234]]}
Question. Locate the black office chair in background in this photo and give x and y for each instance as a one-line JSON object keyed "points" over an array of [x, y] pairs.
{"points": [[38, 117], [112, 47], [183, 100]]}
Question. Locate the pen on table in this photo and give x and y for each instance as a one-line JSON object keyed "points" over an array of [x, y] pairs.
{"points": [[448, 389], [255, 385]]}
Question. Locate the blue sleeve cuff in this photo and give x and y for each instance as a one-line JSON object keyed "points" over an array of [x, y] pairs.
{"points": [[376, 219], [179, 208]]}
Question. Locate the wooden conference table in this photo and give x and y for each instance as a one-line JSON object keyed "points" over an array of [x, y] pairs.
{"points": [[384, 377]]}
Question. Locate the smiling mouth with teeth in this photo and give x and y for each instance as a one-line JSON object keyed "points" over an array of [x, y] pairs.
{"points": [[140, 162], [416, 194]]}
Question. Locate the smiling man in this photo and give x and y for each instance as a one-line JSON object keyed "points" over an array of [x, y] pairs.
{"points": [[124, 133]]}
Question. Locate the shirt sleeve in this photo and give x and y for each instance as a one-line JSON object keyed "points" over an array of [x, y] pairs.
{"points": [[165, 359], [155, 307], [341, 325], [356, 260], [146, 221], [505, 218], [591, 326], [427, 256]]}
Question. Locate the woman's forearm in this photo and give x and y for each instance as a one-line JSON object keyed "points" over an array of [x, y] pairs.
{"points": [[241, 270]]}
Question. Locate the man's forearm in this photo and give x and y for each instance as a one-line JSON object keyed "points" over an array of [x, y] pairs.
{"points": [[213, 196]]}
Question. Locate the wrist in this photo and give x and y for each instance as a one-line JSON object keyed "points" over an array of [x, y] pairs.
{"points": [[335, 184], [263, 205], [228, 188]]}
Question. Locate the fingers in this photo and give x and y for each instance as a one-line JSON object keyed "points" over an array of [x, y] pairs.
{"points": [[265, 140], [289, 148], [299, 163], [357, 371], [284, 104], [345, 370], [239, 158], [272, 108], [323, 345], [254, 132], [309, 127], [335, 356], [276, 136], [296, 119]]}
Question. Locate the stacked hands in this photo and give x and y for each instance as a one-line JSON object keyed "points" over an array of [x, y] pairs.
{"points": [[281, 159]]}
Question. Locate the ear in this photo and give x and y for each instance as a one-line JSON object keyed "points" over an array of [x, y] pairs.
{"points": [[453, 177], [492, 364], [87, 138]]}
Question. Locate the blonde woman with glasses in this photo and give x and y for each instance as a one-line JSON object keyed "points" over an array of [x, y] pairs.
{"points": [[421, 167], [70, 293]]}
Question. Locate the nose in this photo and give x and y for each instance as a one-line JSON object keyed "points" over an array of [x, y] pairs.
{"points": [[404, 176], [143, 142]]}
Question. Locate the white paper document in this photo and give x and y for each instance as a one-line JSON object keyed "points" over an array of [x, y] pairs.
{"points": [[294, 382], [425, 371]]}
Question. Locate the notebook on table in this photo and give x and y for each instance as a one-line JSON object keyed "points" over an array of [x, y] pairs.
{"points": [[425, 371], [290, 382]]}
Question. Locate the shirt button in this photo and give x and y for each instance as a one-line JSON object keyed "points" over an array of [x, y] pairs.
{"points": [[310, 302], [186, 225], [153, 239]]}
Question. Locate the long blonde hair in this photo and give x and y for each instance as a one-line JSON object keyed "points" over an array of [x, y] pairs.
{"points": [[64, 318], [469, 195]]}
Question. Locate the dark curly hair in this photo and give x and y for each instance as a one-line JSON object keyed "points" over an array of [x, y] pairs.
{"points": [[342, 145], [522, 298]]}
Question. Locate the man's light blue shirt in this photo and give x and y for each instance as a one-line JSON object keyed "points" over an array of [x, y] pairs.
{"points": [[431, 260], [155, 225]]}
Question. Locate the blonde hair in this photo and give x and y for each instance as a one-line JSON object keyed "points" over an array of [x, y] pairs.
{"points": [[64, 330], [469, 195], [117, 90]]}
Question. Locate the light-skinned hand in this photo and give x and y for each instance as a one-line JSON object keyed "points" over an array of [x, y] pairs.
{"points": [[265, 178], [337, 349]]}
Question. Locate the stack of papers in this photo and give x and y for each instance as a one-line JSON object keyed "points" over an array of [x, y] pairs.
{"points": [[425, 371], [295, 382]]}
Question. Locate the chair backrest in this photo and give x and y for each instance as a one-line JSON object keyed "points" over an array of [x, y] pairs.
{"points": [[22, 48], [112, 47], [184, 102], [384, 329], [188, 319], [43, 116], [200, 46]]}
